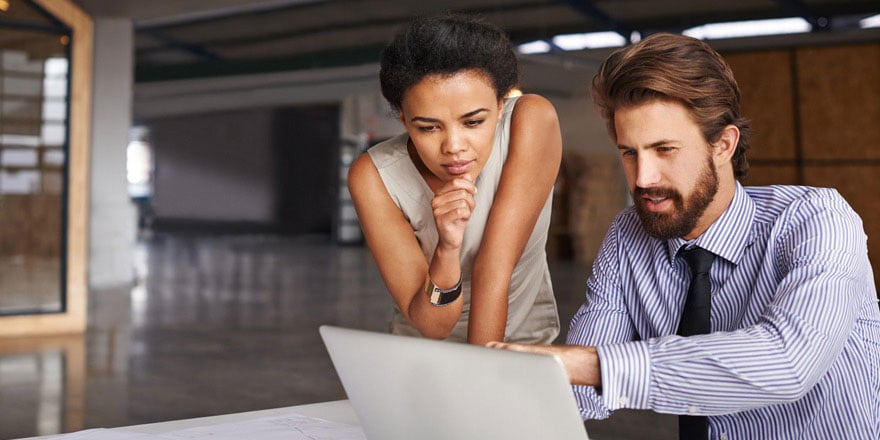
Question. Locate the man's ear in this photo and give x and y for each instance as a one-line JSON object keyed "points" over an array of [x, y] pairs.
{"points": [[726, 144]]}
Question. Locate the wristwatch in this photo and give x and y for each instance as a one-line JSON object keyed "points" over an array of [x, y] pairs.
{"points": [[440, 297]]}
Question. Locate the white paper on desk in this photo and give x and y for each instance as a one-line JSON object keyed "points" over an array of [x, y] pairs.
{"points": [[291, 427], [102, 434]]}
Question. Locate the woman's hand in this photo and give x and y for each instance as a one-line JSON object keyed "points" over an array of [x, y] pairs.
{"points": [[453, 204]]}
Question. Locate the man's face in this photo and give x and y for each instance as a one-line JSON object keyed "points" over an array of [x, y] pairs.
{"points": [[668, 166]]}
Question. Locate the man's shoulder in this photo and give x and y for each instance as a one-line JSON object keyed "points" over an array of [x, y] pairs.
{"points": [[785, 195], [772, 200], [789, 192]]}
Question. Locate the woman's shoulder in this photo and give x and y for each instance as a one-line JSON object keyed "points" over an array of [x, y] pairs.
{"points": [[388, 160], [530, 106], [534, 115]]}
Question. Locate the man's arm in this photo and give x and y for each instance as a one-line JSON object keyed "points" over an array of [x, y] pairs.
{"points": [[818, 290], [581, 363], [819, 286], [601, 320]]}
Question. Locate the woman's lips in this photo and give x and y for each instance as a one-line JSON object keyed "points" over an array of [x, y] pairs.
{"points": [[458, 167]]}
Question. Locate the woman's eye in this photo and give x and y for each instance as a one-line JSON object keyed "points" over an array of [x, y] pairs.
{"points": [[473, 122], [428, 128]]}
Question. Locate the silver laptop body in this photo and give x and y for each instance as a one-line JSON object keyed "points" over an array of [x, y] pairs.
{"points": [[405, 388]]}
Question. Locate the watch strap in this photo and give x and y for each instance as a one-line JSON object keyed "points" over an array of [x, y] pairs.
{"points": [[442, 297]]}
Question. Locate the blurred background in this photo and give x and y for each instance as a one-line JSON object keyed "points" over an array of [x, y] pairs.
{"points": [[174, 219]]}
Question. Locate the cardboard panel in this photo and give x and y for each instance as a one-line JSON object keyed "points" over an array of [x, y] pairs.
{"points": [[591, 190], [760, 175], [766, 86], [839, 95]]}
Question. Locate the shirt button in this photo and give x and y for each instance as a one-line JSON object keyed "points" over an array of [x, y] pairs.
{"points": [[724, 436], [623, 400], [693, 409]]}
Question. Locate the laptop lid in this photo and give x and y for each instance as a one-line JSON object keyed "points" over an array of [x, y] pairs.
{"points": [[405, 388]]}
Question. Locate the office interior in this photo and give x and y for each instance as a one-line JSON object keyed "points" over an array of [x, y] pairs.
{"points": [[174, 221]]}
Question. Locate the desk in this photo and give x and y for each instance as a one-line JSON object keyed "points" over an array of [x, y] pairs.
{"points": [[335, 411], [339, 411]]}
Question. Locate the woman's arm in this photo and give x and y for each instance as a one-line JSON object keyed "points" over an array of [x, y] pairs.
{"points": [[534, 155], [397, 253]]}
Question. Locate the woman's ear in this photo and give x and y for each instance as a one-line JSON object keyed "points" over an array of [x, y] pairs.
{"points": [[726, 144]]}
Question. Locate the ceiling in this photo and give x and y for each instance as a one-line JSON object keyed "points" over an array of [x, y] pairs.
{"points": [[196, 38]]}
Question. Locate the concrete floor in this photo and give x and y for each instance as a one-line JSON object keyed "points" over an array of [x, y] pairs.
{"points": [[222, 324]]}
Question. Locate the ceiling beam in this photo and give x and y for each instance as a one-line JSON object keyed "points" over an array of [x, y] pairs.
{"points": [[195, 49], [589, 9], [350, 56], [801, 9]]}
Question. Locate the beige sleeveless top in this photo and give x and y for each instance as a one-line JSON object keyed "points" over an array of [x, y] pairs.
{"points": [[531, 315]]}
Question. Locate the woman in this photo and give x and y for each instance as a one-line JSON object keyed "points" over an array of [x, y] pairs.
{"points": [[456, 209]]}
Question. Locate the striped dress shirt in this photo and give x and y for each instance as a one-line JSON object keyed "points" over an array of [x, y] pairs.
{"points": [[794, 350]]}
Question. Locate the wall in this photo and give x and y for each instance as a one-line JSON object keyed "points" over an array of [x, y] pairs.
{"points": [[214, 166], [306, 153], [269, 169]]}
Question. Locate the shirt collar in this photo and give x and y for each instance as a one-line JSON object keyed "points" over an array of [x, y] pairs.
{"points": [[728, 236]]}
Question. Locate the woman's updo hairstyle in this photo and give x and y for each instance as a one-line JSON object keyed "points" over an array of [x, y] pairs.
{"points": [[445, 45]]}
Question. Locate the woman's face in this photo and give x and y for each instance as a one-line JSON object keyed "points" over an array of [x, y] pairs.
{"points": [[451, 122]]}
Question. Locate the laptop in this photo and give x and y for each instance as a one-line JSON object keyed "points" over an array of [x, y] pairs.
{"points": [[407, 388]]}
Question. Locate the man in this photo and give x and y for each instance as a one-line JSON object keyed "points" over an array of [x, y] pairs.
{"points": [[790, 341]]}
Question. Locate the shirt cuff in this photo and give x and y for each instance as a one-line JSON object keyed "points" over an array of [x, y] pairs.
{"points": [[626, 375]]}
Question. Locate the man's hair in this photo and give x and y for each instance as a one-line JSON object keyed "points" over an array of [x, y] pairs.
{"points": [[445, 45], [678, 68]]}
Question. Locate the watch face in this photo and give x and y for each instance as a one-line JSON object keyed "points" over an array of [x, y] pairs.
{"points": [[439, 297], [436, 295]]}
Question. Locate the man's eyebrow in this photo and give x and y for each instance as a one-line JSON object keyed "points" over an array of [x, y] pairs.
{"points": [[651, 145], [661, 142]]}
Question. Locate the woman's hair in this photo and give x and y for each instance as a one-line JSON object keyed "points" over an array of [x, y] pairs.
{"points": [[445, 45], [678, 68]]}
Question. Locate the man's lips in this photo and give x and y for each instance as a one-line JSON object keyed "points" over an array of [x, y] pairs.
{"points": [[656, 204], [655, 200]]}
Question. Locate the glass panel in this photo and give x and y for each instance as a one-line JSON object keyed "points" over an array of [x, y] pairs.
{"points": [[12, 157], [33, 156]]}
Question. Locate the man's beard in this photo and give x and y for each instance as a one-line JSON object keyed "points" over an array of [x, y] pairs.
{"points": [[683, 217]]}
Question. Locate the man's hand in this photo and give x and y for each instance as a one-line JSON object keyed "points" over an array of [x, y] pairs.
{"points": [[581, 363]]}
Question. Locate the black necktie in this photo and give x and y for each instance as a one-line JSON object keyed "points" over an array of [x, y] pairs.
{"points": [[695, 321]]}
